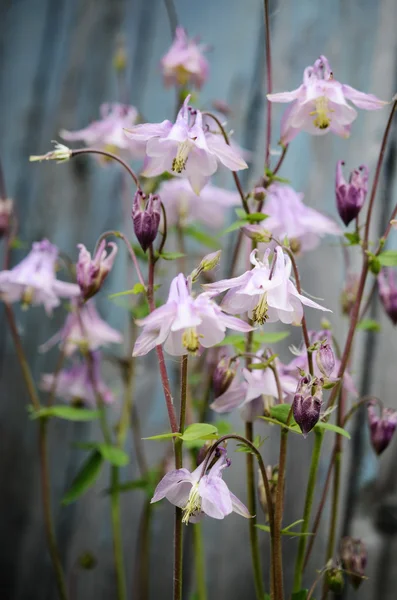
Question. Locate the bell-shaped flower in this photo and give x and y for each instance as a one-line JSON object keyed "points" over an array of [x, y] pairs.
{"points": [[223, 375], [354, 556], [307, 403], [91, 272], [33, 280], [85, 330], [382, 427], [183, 207], [320, 104], [350, 197], [185, 324], [184, 63], [290, 217], [199, 494], [265, 292], [146, 218], [184, 148], [387, 288], [108, 132], [78, 385]]}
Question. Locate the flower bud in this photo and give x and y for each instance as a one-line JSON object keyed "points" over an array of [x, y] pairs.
{"points": [[92, 272], [6, 208], [272, 476], [259, 194], [146, 218], [349, 293], [306, 406], [209, 262], [350, 197], [388, 292], [353, 554], [381, 427], [257, 233], [335, 580], [223, 375], [325, 358], [60, 153]]}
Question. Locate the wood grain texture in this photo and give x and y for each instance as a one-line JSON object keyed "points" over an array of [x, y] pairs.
{"points": [[55, 71]]}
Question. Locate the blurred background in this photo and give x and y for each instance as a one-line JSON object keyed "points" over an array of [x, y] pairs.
{"points": [[56, 68]]}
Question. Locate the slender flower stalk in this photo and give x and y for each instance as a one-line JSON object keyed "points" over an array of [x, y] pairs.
{"points": [[110, 155], [269, 85], [201, 588]]}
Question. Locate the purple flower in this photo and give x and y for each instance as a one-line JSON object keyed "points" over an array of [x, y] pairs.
{"points": [[185, 324], [388, 292], [307, 405], [184, 148], [6, 209], [184, 62], [108, 133], [146, 218], [184, 207], [381, 427], [290, 217], [33, 280], [91, 272], [266, 292], [74, 384], [320, 104], [198, 494], [350, 197], [223, 375], [88, 331], [325, 358], [353, 554]]}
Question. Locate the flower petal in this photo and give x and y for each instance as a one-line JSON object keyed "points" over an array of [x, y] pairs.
{"points": [[363, 100], [170, 482], [239, 507], [215, 497]]}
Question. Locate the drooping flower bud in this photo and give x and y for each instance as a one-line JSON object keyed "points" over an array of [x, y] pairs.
{"points": [[272, 476], [259, 193], [325, 358], [6, 207], [146, 218], [91, 272], [307, 405], [388, 292], [381, 427], [335, 579], [350, 197], [349, 293], [257, 233], [353, 554], [209, 262], [60, 153], [223, 376]]}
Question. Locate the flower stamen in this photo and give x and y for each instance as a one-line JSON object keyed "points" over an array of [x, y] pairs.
{"points": [[190, 340], [193, 504], [179, 162], [322, 120], [259, 314]]}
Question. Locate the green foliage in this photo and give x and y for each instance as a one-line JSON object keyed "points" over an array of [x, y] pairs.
{"points": [[69, 413], [85, 478], [388, 258], [201, 236], [196, 431], [301, 595], [171, 255], [279, 415], [259, 338], [368, 325], [353, 238]]}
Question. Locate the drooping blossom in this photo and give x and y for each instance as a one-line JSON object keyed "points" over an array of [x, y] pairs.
{"points": [[265, 292], [223, 375], [299, 362], [199, 494], [83, 329], [108, 132], [353, 554], [349, 292], [387, 287], [185, 324], [184, 148], [325, 358], [382, 426], [33, 280], [350, 197], [6, 209], [184, 63], [184, 207], [320, 104], [290, 217], [145, 218], [307, 403], [91, 272], [77, 385]]}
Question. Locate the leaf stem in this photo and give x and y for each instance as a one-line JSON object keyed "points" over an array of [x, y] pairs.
{"points": [[201, 588]]}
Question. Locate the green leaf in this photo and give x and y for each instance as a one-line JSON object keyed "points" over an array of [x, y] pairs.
{"points": [[163, 436], [256, 217], [137, 289], [223, 427], [199, 431], [234, 226], [116, 456], [353, 238], [368, 325], [284, 531], [262, 365], [69, 413], [301, 595], [201, 236], [375, 265], [85, 478], [238, 341], [280, 412], [294, 427], [171, 255], [139, 253], [292, 525], [334, 428], [388, 258]]}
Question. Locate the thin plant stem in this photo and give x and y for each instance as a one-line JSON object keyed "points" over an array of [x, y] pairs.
{"points": [[280, 160], [58, 368], [110, 155], [130, 249], [300, 559], [172, 15], [236, 252], [143, 553], [269, 84], [201, 588], [117, 538], [278, 515], [253, 530], [334, 513]]}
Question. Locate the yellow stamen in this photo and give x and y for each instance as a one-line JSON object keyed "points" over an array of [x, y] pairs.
{"points": [[321, 113], [27, 297], [193, 504], [179, 162], [259, 314], [190, 340]]}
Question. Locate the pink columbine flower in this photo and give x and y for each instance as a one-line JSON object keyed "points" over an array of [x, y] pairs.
{"points": [[184, 207], [184, 62], [265, 292], [387, 288], [185, 148], [198, 494], [290, 217], [74, 384], [382, 426], [185, 324], [91, 272], [33, 280], [320, 104], [85, 330], [350, 197], [108, 132]]}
